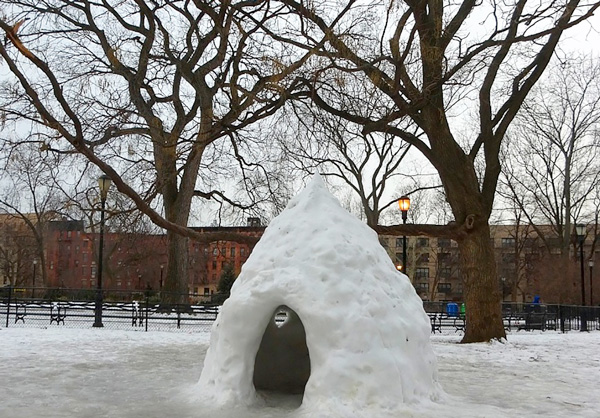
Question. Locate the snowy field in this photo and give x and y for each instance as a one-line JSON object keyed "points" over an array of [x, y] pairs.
{"points": [[89, 373]]}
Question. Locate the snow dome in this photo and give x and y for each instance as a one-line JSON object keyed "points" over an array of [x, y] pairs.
{"points": [[354, 336]]}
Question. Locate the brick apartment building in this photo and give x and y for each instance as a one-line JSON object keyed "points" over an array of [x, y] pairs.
{"points": [[136, 261]]}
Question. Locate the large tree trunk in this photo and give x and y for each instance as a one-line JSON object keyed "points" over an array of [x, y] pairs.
{"points": [[177, 200], [176, 282], [482, 294], [477, 261], [176, 285]]}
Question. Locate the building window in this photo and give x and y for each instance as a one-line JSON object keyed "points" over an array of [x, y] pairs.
{"points": [[444, 242], [399, 242], [233, 251], [205, 250], [52, 265], [445, 287], [242, 251], [215, 251], [423, 258], [422, 273], [69, 234], [444, 257], [93, 271], [422, 242], [76, 263], [206, 290], [508, 242], [214, 264], [445, 272], [423, 286]]}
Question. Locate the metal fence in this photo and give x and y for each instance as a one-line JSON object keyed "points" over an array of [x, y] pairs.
{"points": [[74, 308], [519, 316]]}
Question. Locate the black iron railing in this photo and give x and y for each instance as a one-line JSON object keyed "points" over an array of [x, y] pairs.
{"points": [[519, 316], [120, 310], [148, 310]]}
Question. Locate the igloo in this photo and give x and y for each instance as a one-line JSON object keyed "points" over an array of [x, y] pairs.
{"points": [[354, 333]]}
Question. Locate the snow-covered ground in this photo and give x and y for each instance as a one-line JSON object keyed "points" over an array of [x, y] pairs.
{"points": [[87, 373]]}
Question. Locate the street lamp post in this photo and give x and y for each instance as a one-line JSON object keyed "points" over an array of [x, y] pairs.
{"points": [[580, 232], [33, 281], [591, 264], [161, 277], [104, 184], [404, 204]]}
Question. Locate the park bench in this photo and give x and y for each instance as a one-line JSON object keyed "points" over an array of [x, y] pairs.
{"points": [[58, 312], [137, 315], [20, 312], [459, 323], [443, 320], [436, 322], [533, 320]]}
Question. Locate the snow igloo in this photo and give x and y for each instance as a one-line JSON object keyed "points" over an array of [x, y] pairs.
{"points": [[319, 311]]}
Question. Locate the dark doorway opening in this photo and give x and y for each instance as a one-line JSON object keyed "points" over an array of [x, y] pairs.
{"points": [[282, 364]]}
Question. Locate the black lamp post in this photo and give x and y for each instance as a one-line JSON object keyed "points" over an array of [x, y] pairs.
{"points": [[591, 264], [580, 232], [33, 281], [104, 184], [161, 276], [404, 204]]}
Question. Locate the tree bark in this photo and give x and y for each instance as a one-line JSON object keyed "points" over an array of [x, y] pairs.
{"points": [[482, 294]]}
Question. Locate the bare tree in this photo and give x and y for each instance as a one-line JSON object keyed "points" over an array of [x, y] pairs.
{"points": [[146, 86], [368, 164], [552, 167], [31, 197], [426, 57]]}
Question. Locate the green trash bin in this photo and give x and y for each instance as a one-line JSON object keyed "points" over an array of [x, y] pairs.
{"points": [[462, 309]]}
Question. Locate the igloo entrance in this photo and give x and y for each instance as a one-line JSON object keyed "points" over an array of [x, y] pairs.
{"points": [[282, 362]]}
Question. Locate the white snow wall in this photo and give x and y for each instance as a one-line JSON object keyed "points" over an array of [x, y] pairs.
{"points": [[366, 331]]}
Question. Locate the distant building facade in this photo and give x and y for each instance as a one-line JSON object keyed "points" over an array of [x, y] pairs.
{"points": [[528, 264], [137, 261]]}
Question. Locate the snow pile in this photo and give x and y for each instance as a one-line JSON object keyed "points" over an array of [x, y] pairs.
{"points": [[365, 328]]}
